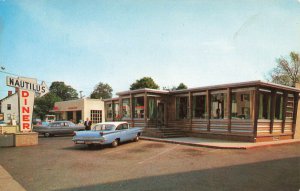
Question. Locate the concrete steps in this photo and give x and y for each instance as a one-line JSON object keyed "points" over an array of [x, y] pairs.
{"points": [[164, 132]]}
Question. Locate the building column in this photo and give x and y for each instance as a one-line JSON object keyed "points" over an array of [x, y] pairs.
{"points": [[74, 117], [285, 98], [145, 110], [272, 110], [131, 110], [256, 111], [229, 109], [296, 101], [190, 110], [208, 109]]}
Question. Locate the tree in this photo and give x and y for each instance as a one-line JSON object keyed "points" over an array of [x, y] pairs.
{"points": [[286, 71], [102, 90], [63, 91], [145, 82], [43, 105], [181, 86]]}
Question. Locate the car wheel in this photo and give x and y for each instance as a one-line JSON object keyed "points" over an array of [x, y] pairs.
{"points": [[115, 143], [47, 134], [137, 138]]}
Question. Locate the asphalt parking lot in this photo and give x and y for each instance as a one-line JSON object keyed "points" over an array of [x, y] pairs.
{"points": [[57, 164]]}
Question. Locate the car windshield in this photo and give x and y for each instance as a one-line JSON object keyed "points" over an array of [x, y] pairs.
{"points": [[71, 124], [103, 127]]}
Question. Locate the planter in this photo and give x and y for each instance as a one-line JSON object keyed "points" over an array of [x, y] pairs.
{"points": [[7, 140], [26, 139]]}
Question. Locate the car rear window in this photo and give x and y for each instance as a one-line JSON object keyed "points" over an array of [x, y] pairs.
{"points": [[103, 127]]}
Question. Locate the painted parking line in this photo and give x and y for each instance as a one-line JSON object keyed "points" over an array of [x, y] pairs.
{"points": [[121, 148], [159, 154]]}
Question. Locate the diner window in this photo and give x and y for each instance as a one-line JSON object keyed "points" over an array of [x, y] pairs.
{"points": [[109, 111], [240, 105], [138, 105], [116, 110], [218, 105], [126, 108], [152, 108], [278, 106], [199, 107], [182, 107], [8, 106], [96, 116], [289, 107], [264, 105]]}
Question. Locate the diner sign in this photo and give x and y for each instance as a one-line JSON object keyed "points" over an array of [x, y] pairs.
{"points": [[28, 88], [26, 109], [27, 84]]}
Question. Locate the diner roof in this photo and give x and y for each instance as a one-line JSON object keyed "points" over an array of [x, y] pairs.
{"points": [[239, 85], [262, 84], [144, 90]]}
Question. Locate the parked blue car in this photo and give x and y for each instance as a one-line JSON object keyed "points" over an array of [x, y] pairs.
{"points": [[112, 133]]}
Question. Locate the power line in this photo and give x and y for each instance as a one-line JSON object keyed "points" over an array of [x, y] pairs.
{"points": [[9, 73]]}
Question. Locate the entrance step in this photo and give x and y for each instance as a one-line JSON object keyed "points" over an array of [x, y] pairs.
{"points": [[164, 132]]}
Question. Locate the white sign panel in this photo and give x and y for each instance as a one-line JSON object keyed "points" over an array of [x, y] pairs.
{"points": [[28, 87], [26, 99], [27, 84]]}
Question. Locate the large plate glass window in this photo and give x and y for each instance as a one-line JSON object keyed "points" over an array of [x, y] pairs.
{"points": [[138, 105], [278, 105], [264, 105], [218, 105], [182, 107], [152, 108], [109, 111], [241, 104], [126, 108], [199, 107], [289, 107], [116, 110]]}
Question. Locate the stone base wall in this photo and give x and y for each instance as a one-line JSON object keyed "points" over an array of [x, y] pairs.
{"points": [[26, 139]]}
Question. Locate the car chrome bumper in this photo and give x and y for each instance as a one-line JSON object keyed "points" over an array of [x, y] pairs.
{"points": [[88, 141]]}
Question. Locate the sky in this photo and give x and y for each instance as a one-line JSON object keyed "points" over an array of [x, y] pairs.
{"points": [[197, 42]]}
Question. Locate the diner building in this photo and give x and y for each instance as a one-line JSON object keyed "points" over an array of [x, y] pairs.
{"points": [[80, 109], [251, 111]]}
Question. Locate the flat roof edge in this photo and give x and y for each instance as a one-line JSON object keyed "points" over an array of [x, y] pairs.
{"points": [[210, 87], [142, 91]]}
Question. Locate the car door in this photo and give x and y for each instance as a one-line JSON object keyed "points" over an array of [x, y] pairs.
{"points": [[66, 128], [127, 132], [122, 133], [131, 133], [55, 128]]}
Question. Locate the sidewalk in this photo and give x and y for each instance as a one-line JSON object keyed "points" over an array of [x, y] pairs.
{"points": [[7, 183], [220, 144]]}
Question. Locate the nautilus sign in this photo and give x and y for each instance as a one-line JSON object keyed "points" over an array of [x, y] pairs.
{"points": [[28, 88]]}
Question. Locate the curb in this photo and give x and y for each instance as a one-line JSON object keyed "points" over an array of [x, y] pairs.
{"points": [[7, 182], [222, 147]]}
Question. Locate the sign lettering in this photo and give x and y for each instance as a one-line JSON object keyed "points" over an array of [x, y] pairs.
{"points": [[28, 88], [26, 108], [23, 83]]}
